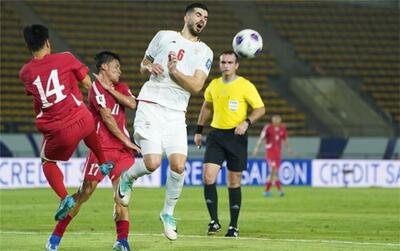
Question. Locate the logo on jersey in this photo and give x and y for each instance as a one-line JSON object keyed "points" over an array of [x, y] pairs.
{"points": [[208, 64], [101, 100]]}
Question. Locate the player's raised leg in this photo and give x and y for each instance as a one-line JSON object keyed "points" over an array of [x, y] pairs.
{"points": [[83, 194], [55, 178], [147, 165]]}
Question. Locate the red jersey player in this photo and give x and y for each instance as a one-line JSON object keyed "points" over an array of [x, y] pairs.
{"points": [[273, 134], [62, 117], [107, 101]]}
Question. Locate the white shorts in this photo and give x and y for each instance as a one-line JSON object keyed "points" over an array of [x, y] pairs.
{"points": [[159, 129]]}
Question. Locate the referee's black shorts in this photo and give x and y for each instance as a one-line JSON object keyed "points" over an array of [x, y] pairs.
{"points": [[223, 144]]}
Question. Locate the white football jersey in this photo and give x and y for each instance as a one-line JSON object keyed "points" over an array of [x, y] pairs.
{"points": [[191, 56]]}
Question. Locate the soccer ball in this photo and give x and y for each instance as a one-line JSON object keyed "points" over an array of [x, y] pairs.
{"points": [[247, 43]]}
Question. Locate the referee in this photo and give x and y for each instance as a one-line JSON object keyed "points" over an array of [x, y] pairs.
{"points": [[227, 99]]}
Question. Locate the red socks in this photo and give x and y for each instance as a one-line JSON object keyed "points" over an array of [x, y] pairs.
{"points": [[278, 184], [122, 227], [55, 178], [93, 142], [268, 186], [62, 226]]}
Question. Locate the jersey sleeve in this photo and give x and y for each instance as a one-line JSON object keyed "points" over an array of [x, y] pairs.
{"points": [[154, 47], [207, 93], [205, 62], [97, 97], [252, 97], [79, 70]]}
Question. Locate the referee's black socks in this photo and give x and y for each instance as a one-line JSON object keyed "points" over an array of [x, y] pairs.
{"points": [[211, 197], [235, 201]]}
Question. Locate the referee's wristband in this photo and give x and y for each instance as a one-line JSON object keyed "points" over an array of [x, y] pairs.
{"points": [[199, 129], [248, 121]]}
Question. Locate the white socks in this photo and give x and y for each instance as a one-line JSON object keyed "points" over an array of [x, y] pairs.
{"points": [[173, 191], [137, 170]]}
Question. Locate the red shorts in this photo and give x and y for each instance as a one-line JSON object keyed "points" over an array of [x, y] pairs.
{"points": [[61, 144], [274, 159], [122, 158]]}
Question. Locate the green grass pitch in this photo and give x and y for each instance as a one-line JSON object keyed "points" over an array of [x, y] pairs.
{"points": [[305, 219]]}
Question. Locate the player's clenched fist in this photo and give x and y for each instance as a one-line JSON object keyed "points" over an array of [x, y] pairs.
{"points": [[172, 60]]}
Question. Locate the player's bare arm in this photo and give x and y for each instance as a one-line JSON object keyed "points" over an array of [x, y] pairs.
{"points": [[126, 101], [86, 82], [147, 66], [205, 114], [192, 84], [111, 124], [261, 138], [256, 114]]}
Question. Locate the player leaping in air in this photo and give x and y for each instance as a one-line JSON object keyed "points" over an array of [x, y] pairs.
{"points": [[178, 64], [62, 117]]}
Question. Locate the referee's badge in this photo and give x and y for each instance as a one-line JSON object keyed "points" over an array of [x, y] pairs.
{"points": [[233, 105]]}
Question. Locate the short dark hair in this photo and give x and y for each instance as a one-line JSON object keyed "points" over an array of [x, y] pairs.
{"points": [[35, 36], [231, 52], [105, 57], [191, 7]]}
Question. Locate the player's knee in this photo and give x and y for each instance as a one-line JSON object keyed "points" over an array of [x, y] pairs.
{"points": [[152, 164], [209, 179], [178, 167], [234, 179]]}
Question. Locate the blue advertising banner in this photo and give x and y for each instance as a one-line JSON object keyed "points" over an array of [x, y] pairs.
{"points": [[292, 172]]}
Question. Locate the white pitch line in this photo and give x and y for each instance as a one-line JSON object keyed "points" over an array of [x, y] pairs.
{"points": [[217, 237]]}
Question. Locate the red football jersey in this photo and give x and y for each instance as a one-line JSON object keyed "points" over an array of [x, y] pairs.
{"points": [[53, 83], [274, 135], [98, 98]]}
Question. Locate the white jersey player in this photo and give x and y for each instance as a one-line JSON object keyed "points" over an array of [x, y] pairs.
{"points": [[178, 64]]}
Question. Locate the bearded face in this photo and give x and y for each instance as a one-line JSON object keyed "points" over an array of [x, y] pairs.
{"points": [[196, 21]]}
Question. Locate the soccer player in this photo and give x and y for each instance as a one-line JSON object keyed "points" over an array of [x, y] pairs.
{"points": [[273, 135], [108, 99], [62, 117], [226, 99], [178, 64]]}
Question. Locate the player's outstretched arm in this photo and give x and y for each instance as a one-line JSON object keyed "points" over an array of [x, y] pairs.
{"points": [[192, 84], [112, 125], [205, 114]]}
